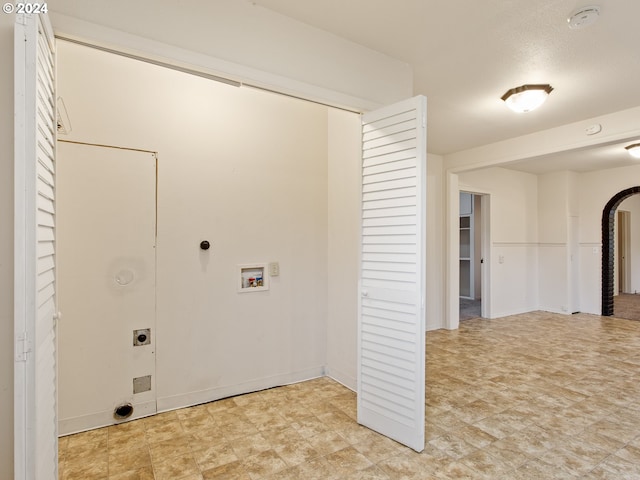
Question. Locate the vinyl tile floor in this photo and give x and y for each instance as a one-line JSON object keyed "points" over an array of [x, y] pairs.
{"points": [[469, 308], [627, 305], [533, 396]]}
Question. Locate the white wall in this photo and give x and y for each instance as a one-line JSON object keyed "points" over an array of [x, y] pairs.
{"points": [[243, 41], [244, 169], [344, 240], [435, 243], [616, 127], [6, 246], [514, 237], [541, 249], [553, 217], [596, 189]]}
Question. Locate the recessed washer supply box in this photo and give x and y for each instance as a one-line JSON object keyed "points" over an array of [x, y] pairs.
{"points": [[253, 277]]}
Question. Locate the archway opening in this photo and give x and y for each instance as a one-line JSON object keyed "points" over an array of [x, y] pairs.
{"points": [[608, 247]]}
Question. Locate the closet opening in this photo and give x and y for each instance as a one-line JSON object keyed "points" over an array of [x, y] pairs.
{"points": [[473, 255]]}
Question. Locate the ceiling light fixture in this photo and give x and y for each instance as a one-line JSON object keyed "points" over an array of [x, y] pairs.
{"points": [[634, 150], [526, 97]]}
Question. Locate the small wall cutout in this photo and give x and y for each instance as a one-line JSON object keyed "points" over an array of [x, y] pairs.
{"points": [[142, 337], [123, 411], [253, 278]]}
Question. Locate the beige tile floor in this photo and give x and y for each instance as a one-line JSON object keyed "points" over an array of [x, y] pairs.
{"points": [[534, 396]]}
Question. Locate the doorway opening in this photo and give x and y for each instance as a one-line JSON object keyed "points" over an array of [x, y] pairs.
{"points": [[472, 254], [609, 247]]}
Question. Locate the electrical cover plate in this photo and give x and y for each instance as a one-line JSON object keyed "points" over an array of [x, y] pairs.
{"points": [[142, 384]]}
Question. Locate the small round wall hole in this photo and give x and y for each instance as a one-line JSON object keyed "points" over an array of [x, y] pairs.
{"points": [[123, 411]]}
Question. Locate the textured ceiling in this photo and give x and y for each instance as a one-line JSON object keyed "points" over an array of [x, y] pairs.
{"points": [[465, 54]]}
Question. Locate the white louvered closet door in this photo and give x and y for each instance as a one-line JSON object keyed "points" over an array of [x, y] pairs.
{"points": [[391, 330], [35, 446]]}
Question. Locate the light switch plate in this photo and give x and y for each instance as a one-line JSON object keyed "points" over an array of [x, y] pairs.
{"points": [[274, 269]]}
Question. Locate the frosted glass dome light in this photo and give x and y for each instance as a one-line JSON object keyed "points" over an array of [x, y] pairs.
{"points": [[526, 97], [634, 150]]}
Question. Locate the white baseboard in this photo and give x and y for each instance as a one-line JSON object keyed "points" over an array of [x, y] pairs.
{"points": [[347, 380], [174, 402], [553, 310], [508, 313], [68, 426], [82, 423]]}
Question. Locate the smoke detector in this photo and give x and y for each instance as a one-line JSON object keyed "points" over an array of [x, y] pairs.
{"points": [[583, 17]]}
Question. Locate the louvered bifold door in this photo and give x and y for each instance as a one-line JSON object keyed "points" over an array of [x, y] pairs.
{"points": [[391, 330], [35, 445]]}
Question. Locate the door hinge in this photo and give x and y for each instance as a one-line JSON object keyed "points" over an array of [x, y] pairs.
{"points": [[24, 346]]}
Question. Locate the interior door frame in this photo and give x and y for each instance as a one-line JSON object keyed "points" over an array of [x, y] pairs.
{"points": [[485, 252], [472, 250]]}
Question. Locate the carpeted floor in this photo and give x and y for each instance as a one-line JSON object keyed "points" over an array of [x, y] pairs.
{"points": [[626, 305]]}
